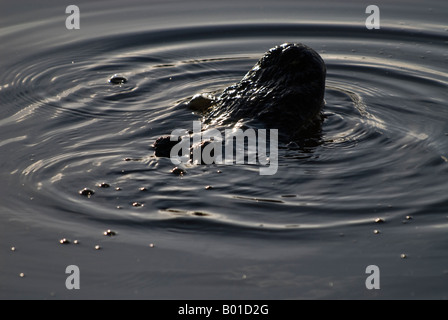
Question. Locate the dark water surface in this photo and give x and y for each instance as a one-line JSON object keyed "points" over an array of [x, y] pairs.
{"points": [[308, 231]]}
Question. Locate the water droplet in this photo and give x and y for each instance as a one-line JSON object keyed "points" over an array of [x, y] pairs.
{"points": [[64, 241], [208, 187], [379, 220], [151, 245], [13, 248], [109, 233], [87, 192], [403, 256], [21, 275], [137, 204], [376, 231], [178, 171], [117, 79], [104, 185], [97, 247]]}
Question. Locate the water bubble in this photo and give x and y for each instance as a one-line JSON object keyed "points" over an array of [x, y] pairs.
{"points": [[104, 185], [109, 233], [118, 79], [178, 171], [137, 204], [86, 192], [64, 241]]}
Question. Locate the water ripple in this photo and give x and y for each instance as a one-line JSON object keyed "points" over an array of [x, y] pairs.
{"points": [[384, 128]]}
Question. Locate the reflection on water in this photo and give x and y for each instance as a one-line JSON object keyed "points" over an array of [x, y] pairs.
{"points": [[65, 127]]}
